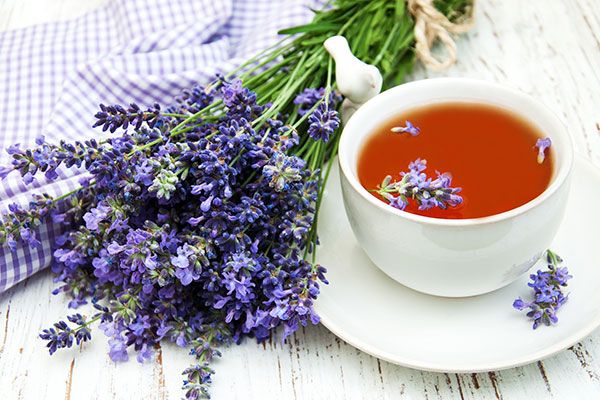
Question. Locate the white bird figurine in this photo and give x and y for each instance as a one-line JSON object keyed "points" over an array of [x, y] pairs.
{"points": [[356, 80]]}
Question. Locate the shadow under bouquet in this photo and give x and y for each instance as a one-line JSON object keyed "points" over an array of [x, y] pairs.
{"points": [[196, 222]]}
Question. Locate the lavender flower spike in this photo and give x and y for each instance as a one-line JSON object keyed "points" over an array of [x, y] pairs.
{"points": [[409, 128], [415, 184], [542, 145], [547, 289], [322, 123], [324, 120]]}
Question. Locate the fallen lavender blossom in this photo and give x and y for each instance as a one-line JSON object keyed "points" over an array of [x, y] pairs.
{"points": [[547, 291]]}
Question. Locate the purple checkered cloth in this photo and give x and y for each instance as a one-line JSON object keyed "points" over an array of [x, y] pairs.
{"points": [[53, 76]]}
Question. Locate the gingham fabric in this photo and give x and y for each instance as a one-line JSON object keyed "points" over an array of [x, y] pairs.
{"points": [[53, 76]]}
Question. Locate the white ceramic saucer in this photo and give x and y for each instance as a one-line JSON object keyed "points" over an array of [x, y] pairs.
{"points": [[370, 311]]}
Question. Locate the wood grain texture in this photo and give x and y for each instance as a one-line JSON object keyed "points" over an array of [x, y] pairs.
{"points": [[547, 48]]}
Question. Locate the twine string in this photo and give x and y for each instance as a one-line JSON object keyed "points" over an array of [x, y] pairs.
{"points": [[430, 26]]}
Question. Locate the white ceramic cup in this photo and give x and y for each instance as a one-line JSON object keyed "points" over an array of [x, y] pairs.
{"points": [[453, 257]]}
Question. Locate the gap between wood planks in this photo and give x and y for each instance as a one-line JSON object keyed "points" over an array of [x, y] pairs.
{"points": [[544, 376], [5, 328], [588, 24], [162, 391], [494, 382], [69, 380], [582, 356]]}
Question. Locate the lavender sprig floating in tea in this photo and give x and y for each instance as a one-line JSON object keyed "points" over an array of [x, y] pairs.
{"points": [[416, 185], [548, 295], [542, 145], [408, 128]]}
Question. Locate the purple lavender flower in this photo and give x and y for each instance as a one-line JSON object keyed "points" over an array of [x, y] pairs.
{"points": [[399, 202], [231, 91], [324, 119], [322, 123], [144, 173], [14, 149], [409, 128], [118, 349], [547, 289], [144, 354], [183, 272], [414, 184], [28, 236], [115, 116], [63, 336], [115, 248], [96, 215], [283, 170], [310, 97], [542, 145], [197, 379], [417, 166], [69, 257], [28, 178], [192, 100], [181, 341], [22, 223]]}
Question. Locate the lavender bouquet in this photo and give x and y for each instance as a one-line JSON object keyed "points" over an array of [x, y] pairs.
{"points": [[196, 222]]}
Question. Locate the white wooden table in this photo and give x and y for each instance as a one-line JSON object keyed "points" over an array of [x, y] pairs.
{"points": [[547, 48]]}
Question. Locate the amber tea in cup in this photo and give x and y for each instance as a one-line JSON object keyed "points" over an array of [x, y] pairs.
{"points": [[489, 151]]}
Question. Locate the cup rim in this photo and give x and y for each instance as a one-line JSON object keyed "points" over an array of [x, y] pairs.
{"points": [[562, 172]]}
